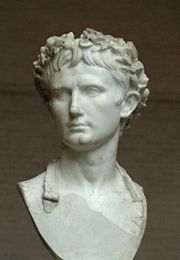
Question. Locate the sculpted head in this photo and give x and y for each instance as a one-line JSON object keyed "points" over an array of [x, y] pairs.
{"points": [[100, 63]]}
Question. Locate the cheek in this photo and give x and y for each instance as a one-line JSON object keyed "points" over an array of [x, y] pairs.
{"points": [[107, 109], [59, 111], [107, 119]]}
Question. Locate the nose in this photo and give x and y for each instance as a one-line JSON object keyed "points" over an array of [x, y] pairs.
{"points": [[75, 106]]}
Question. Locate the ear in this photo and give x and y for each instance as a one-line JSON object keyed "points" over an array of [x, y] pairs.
{"points": [[130, 102]]}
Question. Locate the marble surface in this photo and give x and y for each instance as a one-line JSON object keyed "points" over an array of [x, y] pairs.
{"points": [[99, 226], [93, 86], [18, 238]]}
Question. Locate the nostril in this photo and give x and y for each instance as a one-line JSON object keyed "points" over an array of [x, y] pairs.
{"points": [[75, 111]]}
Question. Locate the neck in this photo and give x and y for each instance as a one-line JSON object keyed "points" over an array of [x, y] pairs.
{"points": [[89, 170]]}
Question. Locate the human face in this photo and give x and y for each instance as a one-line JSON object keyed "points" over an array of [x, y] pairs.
{"points": [[83, 105]]}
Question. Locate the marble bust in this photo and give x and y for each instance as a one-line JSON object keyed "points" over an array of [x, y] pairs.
{"points": [[84, 205]]}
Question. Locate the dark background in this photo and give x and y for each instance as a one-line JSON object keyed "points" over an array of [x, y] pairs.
{"points": [[149, 150]]}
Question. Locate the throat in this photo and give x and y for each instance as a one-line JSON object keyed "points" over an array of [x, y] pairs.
{"points": [[88, 171]]}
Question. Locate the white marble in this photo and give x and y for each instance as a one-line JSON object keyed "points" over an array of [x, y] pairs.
{"points": [[85, 206]]}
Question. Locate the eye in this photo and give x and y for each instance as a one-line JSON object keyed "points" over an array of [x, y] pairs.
{"points": [[93, 91], [61, 94]]}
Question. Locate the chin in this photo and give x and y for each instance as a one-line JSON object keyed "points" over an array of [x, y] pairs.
{"points": [[80, 143]]}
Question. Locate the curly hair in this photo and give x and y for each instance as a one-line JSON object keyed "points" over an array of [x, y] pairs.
{"points": [[120, 58]]}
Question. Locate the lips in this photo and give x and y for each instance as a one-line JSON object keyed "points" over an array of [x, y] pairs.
{"points": [[77, 126]]}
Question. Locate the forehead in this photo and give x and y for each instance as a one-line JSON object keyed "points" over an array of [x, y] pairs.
{"points": [[82, 74]]}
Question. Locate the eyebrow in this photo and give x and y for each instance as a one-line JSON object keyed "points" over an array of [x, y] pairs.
{"points": [[80, 85]]}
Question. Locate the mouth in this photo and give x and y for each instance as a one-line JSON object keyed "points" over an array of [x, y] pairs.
{"points": [[77, 126]]}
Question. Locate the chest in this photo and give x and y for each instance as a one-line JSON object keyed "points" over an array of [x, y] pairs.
{"points": [[96, 228]]}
